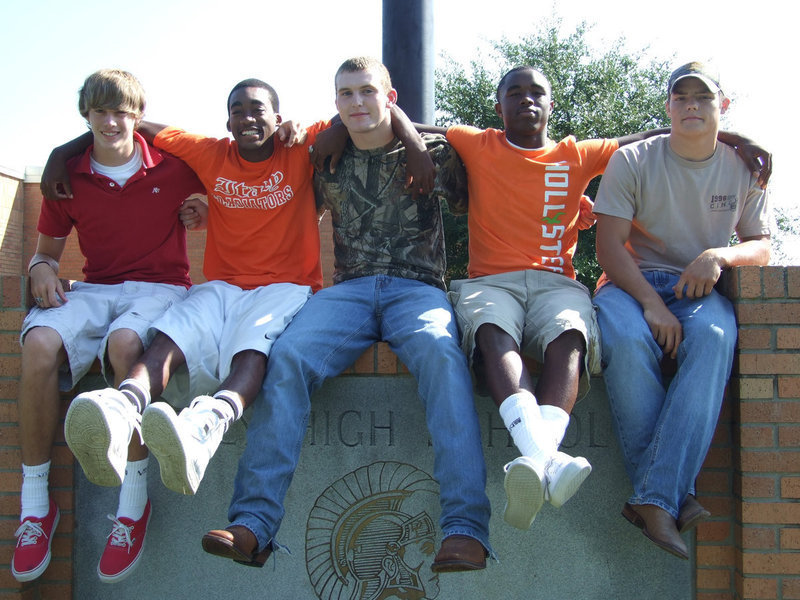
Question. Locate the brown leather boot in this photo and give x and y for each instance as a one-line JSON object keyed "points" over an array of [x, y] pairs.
{"points": [[658, 526], [237, 543]]}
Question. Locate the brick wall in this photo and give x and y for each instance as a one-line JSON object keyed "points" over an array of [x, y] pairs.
{"points": [[11, 220]]}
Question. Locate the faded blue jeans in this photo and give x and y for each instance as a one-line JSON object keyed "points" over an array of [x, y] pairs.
{"points": [[329, 333], [665, 431]]}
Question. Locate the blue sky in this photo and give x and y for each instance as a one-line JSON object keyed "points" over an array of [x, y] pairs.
{"points": [[188, 54]]}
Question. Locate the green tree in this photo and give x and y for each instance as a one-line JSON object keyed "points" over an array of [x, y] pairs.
{"points": [[596, 95]]}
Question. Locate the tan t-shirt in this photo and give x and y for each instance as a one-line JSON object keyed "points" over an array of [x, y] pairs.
{"points": [[679, 208]]}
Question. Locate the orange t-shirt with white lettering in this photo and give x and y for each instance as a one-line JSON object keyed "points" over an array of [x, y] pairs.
{"points": [[524, 204], [262, 219]]}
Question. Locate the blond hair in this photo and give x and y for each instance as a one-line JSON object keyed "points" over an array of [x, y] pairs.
{"points": [[111, 89], [365, 63]]}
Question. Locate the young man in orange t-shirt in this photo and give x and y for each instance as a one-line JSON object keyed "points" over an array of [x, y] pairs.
{"points": [[526, 206]]}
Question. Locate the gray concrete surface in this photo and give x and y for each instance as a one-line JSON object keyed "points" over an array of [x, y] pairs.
{"points": [[343, 511]]}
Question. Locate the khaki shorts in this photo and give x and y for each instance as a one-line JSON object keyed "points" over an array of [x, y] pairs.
{"points": [[534, 307], [218, 320], [94, 311]]}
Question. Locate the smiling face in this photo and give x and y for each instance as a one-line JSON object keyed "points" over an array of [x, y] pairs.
{"points": [[113, 135], [524, 104], [252, 121], [364, 106]]}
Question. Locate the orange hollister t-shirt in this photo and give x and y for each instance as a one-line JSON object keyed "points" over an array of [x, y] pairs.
{"points": [[524, 204], [262, 221]]}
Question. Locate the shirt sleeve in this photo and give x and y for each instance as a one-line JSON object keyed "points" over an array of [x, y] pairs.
{"points": [[616, 196], [451, 178]]}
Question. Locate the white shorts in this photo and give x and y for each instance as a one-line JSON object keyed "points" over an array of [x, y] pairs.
{"points": [[217, 320], [534, 307], [92, 312]]}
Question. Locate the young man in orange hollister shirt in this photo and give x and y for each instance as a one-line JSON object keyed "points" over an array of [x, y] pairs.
{"points": [[525, 196]]}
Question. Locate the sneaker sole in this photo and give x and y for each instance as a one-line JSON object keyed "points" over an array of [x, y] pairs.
{"points": [[89, 438], [571, 479], [37, 572], [524, 496], [160, 433], [129, 569]]}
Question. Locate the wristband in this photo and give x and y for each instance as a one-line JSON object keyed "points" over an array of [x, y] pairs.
{"points": [[43, 258]]}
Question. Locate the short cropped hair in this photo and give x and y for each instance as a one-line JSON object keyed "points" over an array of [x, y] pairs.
{"points": [[256, 83], [111, 89], [505, 77], [365, 63]]}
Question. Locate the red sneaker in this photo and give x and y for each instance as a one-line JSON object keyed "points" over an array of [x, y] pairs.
{"points": [[34, 536], [124, 547]]}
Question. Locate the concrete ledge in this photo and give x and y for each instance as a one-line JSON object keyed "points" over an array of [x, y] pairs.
{"points": [[584, 550]]}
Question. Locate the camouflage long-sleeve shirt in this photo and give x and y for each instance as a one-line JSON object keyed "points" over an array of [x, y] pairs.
{"points": [[378, 227]]}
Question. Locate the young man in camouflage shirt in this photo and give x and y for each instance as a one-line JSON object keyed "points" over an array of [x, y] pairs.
{"points": [[388, 286]]}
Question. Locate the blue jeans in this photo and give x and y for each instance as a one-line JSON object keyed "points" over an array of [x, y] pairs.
{"points": [[665, 432], [329, 333]]}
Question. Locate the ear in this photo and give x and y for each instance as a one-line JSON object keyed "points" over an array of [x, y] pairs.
{"points": [[666, 107], [392, 96], [278, 119], [228, 124], [498, 109], [724, 105]]}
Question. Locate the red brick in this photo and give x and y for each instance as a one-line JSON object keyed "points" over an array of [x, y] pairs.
{"points": [[751, 436], [792, 282], [789, 436], [718, 506], [771, 564], [758, 486], [713, 531], [715, 556], [747, 281], [386, 359], [791, 588], [366, 362], [790, 487], [759, 538], [714, 579], [718, 458], [788, 338], [9, 389], [8, 412], [714, 596], [9, 343], [760, 588], [756, 387], [10, 365], [772, 313], [755, 338], [774, 283], [788, 387], [711, 482], [771, 512], [769, 364], [12, 291], [11, 320], [769, 412], [790, 538], [765, 461]]}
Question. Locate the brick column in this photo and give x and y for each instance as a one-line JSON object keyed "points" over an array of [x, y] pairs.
{"points": [[766, 434], [57, 580]]}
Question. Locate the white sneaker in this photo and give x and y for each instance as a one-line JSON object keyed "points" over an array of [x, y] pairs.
{"points": [[98, 429], [525, 485], [183, 444], [564, 475]]}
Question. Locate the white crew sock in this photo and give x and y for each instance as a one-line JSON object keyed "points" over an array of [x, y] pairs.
{"points": [[136, 392], [35, 499], [133, 493], [523, 419], [556, 420]]}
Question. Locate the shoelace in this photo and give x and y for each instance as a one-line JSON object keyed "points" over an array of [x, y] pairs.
{"points": [[120, 534], [29, 532]]}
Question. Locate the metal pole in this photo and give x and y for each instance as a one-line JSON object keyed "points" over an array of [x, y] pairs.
{"points": [[408, 54]]}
